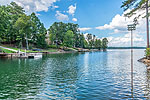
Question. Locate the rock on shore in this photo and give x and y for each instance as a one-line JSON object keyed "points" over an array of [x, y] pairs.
{"points": [[145, 61]]}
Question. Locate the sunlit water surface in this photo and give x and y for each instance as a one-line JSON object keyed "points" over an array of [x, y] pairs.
{"points": [[84, 76]]}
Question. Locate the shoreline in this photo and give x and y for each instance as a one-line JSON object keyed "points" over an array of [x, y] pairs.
{"points": [[60, 51], [22, 55], [145, 61]]}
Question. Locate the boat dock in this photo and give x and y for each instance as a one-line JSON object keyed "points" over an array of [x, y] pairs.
{"points": [[21, 55]]}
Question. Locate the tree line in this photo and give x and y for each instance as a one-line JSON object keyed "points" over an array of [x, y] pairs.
{"points": [[68, 35], [22, 30]]}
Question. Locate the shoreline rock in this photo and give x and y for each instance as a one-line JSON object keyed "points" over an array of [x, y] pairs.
{"points": [[145, 61]]}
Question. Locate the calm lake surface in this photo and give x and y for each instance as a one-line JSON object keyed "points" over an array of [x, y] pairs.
{"points": [[84, 76]]}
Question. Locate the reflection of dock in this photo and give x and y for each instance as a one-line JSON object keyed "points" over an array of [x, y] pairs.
{"points": [[21, 55]]}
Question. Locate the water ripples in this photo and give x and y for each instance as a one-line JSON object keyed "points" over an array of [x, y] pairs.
{"points": [[89, 76]]}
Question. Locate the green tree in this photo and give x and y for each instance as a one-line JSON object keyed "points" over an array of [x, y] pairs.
{"points": [[82, 39], [4, 24], [23, 25], [134, 4], [104, 43], [69, 39], [59, 30], [98, 44], [15, 12], [86, 44], [38, 32], [89, 37], [52, 38], [75, 29]]}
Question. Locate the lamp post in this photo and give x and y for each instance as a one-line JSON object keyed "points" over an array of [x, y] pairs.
{"points": [[132, 27]]}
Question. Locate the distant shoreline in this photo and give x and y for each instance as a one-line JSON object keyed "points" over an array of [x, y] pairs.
{"points": [[126, 48]]}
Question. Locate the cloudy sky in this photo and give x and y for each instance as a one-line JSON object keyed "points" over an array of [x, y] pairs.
{"points": [[103, 18]]}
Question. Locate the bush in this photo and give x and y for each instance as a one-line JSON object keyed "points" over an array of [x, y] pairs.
{"points": [[52, 46], [147, 52]]}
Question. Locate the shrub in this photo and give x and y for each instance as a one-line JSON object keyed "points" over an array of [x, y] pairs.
{"points": [[147, 52], [52, 46]]}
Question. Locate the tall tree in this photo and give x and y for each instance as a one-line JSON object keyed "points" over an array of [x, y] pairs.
{"points": [[38, 32], [99, 44], [75, 29], [104, 43], [59, 29], [15, 12], [81, 40], [23, 25], [4, 24], [89, 37]]}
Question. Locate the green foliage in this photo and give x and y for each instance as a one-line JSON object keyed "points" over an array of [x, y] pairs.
{"points": [[18, 28], [52, 46], [147, 52], [38, 32], [52, 38], [69, 39], [23, 25], [104, 43], [98, 44], [135, 5], [4, 23], [58, 31], [86, 44]]}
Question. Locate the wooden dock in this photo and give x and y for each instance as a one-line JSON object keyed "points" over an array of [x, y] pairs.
{"points": [[21, 55]]}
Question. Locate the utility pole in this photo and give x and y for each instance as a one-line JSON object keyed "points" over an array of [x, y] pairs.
{"points": [[147, 23]]}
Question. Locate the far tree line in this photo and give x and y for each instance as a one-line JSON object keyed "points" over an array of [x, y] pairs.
{"points": [[28, 31]]}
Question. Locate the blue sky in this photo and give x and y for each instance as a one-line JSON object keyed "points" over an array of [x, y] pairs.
{"points": [[90, 13], [103, 18]]}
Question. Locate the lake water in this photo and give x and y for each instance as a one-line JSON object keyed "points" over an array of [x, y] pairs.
{"points": [[84, 76]]}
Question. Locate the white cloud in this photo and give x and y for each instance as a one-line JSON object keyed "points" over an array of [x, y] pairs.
{"points": [[56, 6], [85, 29], [119, 27], [61, 17], [74, 19], [33, 5], [72, 10], [124, 41], [119, 23]]}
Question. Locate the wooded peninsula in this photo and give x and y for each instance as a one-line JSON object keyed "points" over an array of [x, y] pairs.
{"points": [[19, 30]]}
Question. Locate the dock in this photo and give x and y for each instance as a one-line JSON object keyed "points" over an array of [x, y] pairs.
{"points": [[21, 55]]}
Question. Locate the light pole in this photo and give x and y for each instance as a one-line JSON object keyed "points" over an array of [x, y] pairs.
{"points": [[132, 27]]}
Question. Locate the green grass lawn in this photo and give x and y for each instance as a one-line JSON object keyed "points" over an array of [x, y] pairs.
{"points": [[28, 51]]}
